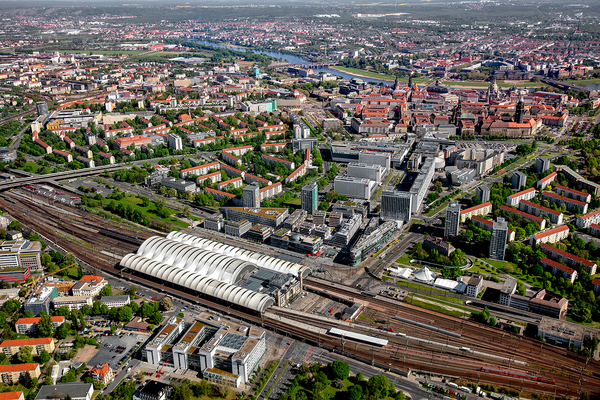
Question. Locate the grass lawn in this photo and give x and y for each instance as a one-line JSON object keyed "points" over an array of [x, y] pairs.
{"points": [[162, 56], [418, 286], [404, 259], [482, 269], [375, 75], [434, 307], [583, 81], [500, 264], [150, 211], [294, 202]]}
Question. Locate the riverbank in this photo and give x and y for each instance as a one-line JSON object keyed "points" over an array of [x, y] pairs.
{"points": [[364, 74]]}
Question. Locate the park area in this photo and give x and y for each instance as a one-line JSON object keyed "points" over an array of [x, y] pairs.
{"points": [[333, 381]]}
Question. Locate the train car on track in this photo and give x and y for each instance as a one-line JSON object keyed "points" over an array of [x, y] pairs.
{"points": [[358, 337]]}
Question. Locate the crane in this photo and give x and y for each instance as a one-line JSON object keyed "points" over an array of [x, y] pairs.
{"points": [[33, 282]]}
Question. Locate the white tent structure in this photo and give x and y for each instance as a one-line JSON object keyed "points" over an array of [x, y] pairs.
{"points": [[424, 275]]}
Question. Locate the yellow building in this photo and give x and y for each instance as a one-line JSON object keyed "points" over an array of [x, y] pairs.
{"points": [[10, 374], [12, 347]]}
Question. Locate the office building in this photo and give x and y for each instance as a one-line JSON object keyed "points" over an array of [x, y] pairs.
{"points": [[498, 239], [519, 179], [483, 192], [372, 157], [265, 216], [346, 232], [174, 142], [563, 333], [542, 164], [214, 222], [452, 220], [237, 228], [42, 301], [421, 184], [226, 352], [21, 254], [396, 205], [349, 207], [310, 197], [181, 185], [72, 302], [372, 172], [358, 188], [251, 196]]}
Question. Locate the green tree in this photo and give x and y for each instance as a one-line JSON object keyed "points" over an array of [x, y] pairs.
{"points": [[24, 355], [106, 290], [45, 326], [63, 331], [125, 314], [378, 387], [45, 357], [70, 259], [157, 318], [355, 392], [340, 369], [27, 380], [166, 304], [132, 290], [172, 192], [48, 381]]}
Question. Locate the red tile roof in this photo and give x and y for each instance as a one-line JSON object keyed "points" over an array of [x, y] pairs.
{"points": [[474, 208], [552, 231], [26, 342], [568, 255], [18, 367], [563, 198], [548, 261], [36, 320]]}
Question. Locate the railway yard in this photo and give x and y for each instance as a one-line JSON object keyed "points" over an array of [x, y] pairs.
{"points": [[421, 340]]}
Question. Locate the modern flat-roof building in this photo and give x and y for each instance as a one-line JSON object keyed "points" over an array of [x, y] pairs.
{"points": [[237, 228], [553, 235], [251, 196], [20, 253], [481, 209], [30, 325], [396, 205], [570, 259], [372, 172], [265, 216], [375, 235], [226, 352], [498, 239], [310, 197], [346, 231], [349, 207], [515, 198], [452, 220], [563, 333], [542, 164], [575, 179], [518, 180], [214, 222], [359, 188], [72, 302], [570, 204], [473, 285], [42, 301], [421, 184], [556, 217], [484, 193], [181, 185]]}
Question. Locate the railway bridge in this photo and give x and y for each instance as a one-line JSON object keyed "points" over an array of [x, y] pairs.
{"points": [[565, 85]]}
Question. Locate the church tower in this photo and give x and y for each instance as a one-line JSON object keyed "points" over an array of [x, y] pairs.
{"points": [[519, 114]]}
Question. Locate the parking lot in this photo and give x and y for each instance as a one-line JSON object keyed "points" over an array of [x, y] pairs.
{"points": [[115, 349]]}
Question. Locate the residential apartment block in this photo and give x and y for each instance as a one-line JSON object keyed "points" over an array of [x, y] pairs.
{"points": [[570, 259], [514, 199], [553, 235], [481, 209]]}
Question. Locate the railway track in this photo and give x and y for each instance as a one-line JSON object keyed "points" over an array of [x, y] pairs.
{"points": [[78, 233]]}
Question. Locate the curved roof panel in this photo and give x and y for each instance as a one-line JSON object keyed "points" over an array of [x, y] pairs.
{"points": [[221, 290]]}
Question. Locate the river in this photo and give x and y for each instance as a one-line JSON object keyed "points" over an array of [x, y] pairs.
{"points": [[295, 60]]}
